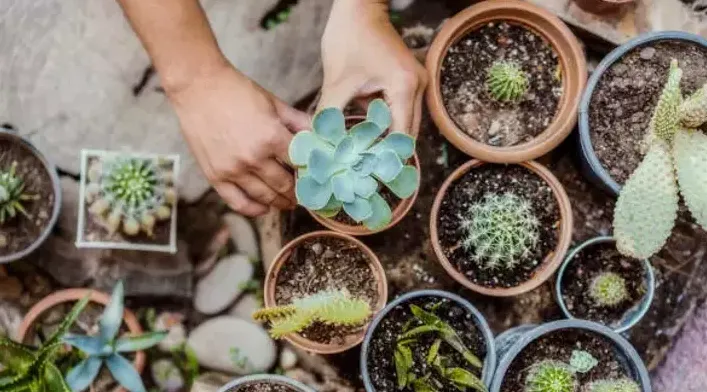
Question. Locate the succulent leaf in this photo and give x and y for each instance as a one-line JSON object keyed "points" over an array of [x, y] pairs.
{"points": [[380, 213], [403, 360], [91, 345], [359, 210], [506, 81], [345, 311], [647, 206], [619, 385], [302, 145], [83, 374], [406, 182], [693, 112], [12, 194], [312, 194], [464, 378], [124, 373], [343, 187], [320, 166], [331, 208], [379, 113], [365, 166], [138, 343], [403, 144], [388, 166], [666, 118], [690, 154], [112, 316], [582, 361], [15, 356], [344, 152], [364, 134], [330, 125], [68, 321], [275, 312], [364, 186]]}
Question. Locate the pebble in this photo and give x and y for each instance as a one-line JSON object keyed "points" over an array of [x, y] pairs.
{"points": [[288, 358], [647, 53], [210, 382], [167, 375], [10, 288], [243, 235], [245, 307], [10, 319], [217, 290], [176, 331]]}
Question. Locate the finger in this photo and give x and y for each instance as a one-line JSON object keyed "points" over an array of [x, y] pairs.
{"points": [[295, 120], [402, 106], [238, 201], [280, 143], [277, 178], [337, 95], [259, 191], [417, 109]]}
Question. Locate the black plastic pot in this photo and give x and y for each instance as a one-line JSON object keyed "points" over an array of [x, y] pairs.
{"points": [[479, 319], [513, 341], [13, 137], [590, 165], [265, 378]]}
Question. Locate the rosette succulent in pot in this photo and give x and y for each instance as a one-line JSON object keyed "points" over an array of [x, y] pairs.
{"points": [[340, 169]]}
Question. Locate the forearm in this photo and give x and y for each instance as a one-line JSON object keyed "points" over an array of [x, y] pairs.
{"points": [[178, 38]]}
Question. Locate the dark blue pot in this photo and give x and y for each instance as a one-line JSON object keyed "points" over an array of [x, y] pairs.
{"points": [[590, 165], [479, 320]]}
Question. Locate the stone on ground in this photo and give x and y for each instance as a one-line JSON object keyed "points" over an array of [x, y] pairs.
{"points": [[246, 306], [10, 319], [217, 290], [166, 375], [243, 235]]}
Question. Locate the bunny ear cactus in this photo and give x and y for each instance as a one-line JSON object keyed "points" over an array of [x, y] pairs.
{"points": [[106, 348], [12, 195], [342, 170], [647, 207]]}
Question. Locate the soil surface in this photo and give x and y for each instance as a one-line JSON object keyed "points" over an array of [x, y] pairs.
{"points": [[263, 387], [20, 232], [326, 264], [497, 179], [473, 109], [400, 319], [625, 97], [590, 263], [558, 346]]}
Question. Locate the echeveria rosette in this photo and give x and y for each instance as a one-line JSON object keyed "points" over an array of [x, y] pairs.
{"points": [[340, 169], [106, 348]]}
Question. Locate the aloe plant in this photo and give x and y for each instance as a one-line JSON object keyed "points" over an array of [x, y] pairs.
{"points": [[12, 194], [106, 348], [340, 169], [33, 370]]}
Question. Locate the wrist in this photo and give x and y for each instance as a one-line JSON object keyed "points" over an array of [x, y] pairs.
{"points": [[181, 75]]}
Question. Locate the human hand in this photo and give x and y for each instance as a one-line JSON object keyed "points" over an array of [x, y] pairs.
{"points": [[239, 134], [363, 55]]}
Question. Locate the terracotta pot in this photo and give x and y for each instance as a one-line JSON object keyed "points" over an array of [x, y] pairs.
{"points": [[552, 260], [399, 211], [538, 20], [75, 295], [283, 256], [603, 6]]}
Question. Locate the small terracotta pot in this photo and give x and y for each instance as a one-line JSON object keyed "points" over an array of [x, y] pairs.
{"points": [[552, 260], [603, 6], [360, 230], [538, 20], [282, 257], [75, 295]]}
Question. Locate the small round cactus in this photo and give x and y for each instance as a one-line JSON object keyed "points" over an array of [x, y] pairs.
{"points": [[550, 376], [500, 229], [12, 195], [132, 191], [620, 385], [506, 81], [608, 289]]}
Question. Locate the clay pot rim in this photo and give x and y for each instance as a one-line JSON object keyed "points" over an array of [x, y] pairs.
{"points": [[602, 6], [75, 295], [51, 170], [552, 260], [265, 378], [376, 268], [543, 23]]}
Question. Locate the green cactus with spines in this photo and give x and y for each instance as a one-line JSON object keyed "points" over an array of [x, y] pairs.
{"points": [[12, 194], [506, 81], [647, 206], [608, 289], [620, 385], [550, 376], [500, 230]]}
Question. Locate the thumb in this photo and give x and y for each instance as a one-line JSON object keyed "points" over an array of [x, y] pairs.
{"points": [[295, 120], [336, 95]]}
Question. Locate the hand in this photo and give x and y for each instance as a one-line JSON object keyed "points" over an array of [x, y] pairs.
{"points": [[239, 134], [363, 55]]}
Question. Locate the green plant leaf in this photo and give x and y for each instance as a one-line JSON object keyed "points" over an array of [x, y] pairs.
{"points": [[138, 343], [68, 321], [427, 318], [422, 329], [320, 166], [83, 374], [112, 317], [364, 167], [364, 186], [290, 324], [330, 125], [124, 372], [379, 113], [381, 215], [91, 345], [343, 186], [331, 208], [302, 145], [15, 356], [434, 351], [359, 210], [403, 363], [423, 385], [465, 378], [406, 182], [364, 134], [344, 152], [690, 152], [311, 194], [388, 166], [54, 380], [403, 145]]}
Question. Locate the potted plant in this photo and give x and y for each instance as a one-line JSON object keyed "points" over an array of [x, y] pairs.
{"points": [[339, 171], [321, 290], [568, 356], [501, 230], [428, 340], [30, 197], [128, 201], [265, 383], [505, 81], [597, 283], [617, 106]]}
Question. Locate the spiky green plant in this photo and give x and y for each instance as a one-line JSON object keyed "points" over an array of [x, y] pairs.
{"points": [[620, 385], [608, 289], [550, 376], [106, 348], [647, 207], [12, 194], [500, 230], [334, 307], [506, 81], [34, 370], [133, 191]]}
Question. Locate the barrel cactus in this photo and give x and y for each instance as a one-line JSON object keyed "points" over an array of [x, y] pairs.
{"points": [[550, 376], [12, 194], [500, 229], [647, 207], [506, 81], [608, 289], [620, 385], [133, 191], [340, 169]]}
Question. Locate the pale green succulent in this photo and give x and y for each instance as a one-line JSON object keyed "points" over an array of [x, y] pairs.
{"points": [[12, 194], [500, 230], [608, 289], [620, 385], [582, 361], [647, 207], [550, 376], [506, 81], [340, 169]]}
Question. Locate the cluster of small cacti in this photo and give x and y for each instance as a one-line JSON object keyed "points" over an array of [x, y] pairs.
{"points": [[335, 307], [12, 194], [500, 230], [506, 81], [132, 193], [608, 289], [647, 207], [620, 385]]}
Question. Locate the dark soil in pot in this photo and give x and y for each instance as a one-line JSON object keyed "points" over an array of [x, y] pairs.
{"points": [[497, 179], [262, 387], [589, 263], [321, 264], [20, 232], [626, 95], [463, 84], [559, 346], [399, 320]]}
